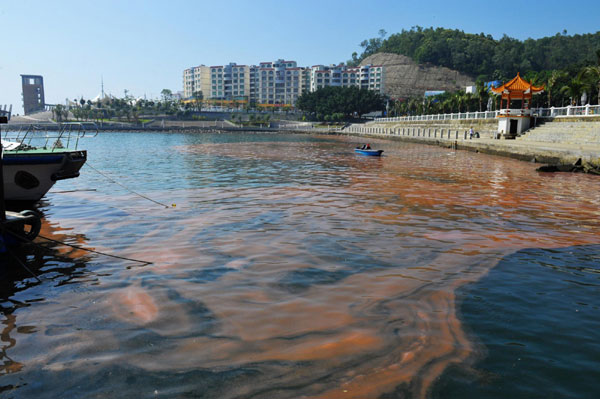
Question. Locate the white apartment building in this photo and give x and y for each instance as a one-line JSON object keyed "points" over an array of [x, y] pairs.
{"points": [[229, 82], [372, 77], [333, 75], [278, 82], [196, 79]]}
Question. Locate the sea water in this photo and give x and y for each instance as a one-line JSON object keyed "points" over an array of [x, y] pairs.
{"points": [[287, 266]]}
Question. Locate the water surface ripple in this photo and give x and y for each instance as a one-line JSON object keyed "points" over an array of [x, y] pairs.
{"points": [[290, 267]]}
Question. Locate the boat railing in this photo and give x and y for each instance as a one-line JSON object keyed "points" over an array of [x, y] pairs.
{"points": [[37, 135]]}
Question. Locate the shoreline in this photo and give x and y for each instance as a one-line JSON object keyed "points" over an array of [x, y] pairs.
{"points": [[565, 157], [557, 154]]}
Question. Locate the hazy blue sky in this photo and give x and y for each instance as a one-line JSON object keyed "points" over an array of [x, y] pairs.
{"points": [[144, 46]]}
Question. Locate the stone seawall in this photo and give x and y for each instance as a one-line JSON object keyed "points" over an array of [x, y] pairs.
{"points": [[455, 134], [428, 130]]}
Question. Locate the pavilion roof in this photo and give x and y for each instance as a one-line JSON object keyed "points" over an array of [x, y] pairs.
{"points": [[517, 87]]}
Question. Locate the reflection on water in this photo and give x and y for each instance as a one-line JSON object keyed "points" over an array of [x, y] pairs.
{"points": [[290, 267]]}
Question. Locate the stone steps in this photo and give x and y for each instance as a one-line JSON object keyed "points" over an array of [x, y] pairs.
{"points": [[564, 132]]}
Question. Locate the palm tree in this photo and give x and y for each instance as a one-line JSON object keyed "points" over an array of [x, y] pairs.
{"points": [[59, 112], [555, 77], [427, 105], [592, 73], [447, 105], [537, 79], [459, 100], [573, 89], [198, 97], [482, 92]]}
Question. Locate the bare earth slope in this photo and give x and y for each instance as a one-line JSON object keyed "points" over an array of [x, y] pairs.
{"points": [[405, 78]]}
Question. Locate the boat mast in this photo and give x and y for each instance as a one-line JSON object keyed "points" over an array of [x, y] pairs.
{"points": [[3, 119]]}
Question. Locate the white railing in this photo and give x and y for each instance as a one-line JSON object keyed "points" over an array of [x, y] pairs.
{"points": [[585, 110], [515, 112]]}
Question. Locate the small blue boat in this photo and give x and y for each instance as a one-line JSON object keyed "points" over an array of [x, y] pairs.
{"points": [[374, 153]]}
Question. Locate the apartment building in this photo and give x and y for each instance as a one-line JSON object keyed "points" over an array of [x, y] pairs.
{"points": [[372, 77], [333, 75], [229, 82], [196, 79], [279, 82]]}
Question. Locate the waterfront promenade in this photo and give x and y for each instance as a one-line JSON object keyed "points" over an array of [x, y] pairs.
{"points": [[539, 151], [572, 134], [566, 145]]}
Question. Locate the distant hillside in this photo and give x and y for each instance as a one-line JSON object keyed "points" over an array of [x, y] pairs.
{"points": [[405, 78], [480, 54]]}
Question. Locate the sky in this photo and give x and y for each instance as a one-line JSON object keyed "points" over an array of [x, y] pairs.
{"points": [[144, 46]]}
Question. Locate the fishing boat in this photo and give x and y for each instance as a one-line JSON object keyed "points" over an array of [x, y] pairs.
{"points": [[374, 153], [15, 228], [30, 169]]}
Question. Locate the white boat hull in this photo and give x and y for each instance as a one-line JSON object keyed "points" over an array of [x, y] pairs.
{"points": [[29, 176]]}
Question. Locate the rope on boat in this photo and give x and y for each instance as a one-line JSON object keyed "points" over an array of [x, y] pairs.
{"points": [[24, 266], [127, 188], [23, 238], [74, 191], [143, 262]]}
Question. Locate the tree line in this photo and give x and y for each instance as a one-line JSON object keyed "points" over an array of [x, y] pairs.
{"points": [[561, 88], [335, 103], [480, 55], [567, 66], [126, 108]]}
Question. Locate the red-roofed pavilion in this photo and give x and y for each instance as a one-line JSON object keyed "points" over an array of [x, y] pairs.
{"points": [[513, 122], [517, 89]]}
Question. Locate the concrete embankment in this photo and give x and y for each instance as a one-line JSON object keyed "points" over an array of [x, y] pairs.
{"points": [[568, 149]]}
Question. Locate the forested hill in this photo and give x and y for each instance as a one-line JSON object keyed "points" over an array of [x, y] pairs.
{"points": [[480, 54]]}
